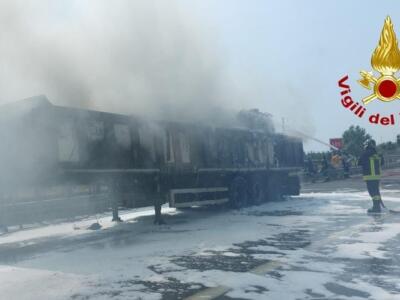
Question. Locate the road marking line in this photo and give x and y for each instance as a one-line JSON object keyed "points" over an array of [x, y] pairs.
{"points": [[215, 292], [210, 293], [267, 267], [318, 244]]}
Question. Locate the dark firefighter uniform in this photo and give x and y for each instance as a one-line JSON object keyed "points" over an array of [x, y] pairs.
{"points": [[371, 163]]}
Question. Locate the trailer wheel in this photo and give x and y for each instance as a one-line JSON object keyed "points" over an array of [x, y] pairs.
{"points": [[274, 192], [257, 193], [294, 186], [238, 193]]}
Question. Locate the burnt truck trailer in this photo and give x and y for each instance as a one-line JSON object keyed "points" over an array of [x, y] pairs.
{"points": [[53, 152]]}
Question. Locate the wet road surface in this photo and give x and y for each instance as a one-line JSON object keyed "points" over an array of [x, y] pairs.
{"points": [[320, 245]]}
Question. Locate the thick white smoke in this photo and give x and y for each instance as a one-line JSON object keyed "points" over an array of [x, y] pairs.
{"points": [[141, 57]]}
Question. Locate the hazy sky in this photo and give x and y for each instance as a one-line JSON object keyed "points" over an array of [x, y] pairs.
{"points": [[284, 57], [305, 47]]}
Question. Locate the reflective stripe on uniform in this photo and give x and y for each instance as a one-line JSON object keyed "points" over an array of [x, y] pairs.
{"points": [[372, 165], [374, 168]]}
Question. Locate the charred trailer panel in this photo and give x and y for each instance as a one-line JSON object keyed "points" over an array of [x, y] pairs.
{"points": [[66, 161], [225, 165], [288, 151], [82, 156], [289, 158], [28, 160], [27, 152], [117, 153], [187, 153]]}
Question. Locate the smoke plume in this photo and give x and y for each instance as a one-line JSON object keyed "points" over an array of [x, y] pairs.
{"points": [[142, 57], [139, 57]]}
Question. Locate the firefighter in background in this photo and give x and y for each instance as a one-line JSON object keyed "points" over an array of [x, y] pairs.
{"points": [[325, 168], [310, 169], [336, 163], [346, 165], [371, 163], [336, 160]]}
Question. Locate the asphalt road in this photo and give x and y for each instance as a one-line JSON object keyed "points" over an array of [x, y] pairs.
{"points": [[320, 245]]}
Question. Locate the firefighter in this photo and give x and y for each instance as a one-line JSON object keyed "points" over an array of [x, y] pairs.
{"points": [[336, 160], [310, 169], [345, 166], [371, 163], [325, 168]]}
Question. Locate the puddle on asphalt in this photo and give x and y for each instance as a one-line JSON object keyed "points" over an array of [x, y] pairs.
{"points": [[291, 240], [169, 289], [218, 261], [345, 291], [242, 257]]}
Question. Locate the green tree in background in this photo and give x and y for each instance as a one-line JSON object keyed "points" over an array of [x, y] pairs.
{"points": [[354, 139]]}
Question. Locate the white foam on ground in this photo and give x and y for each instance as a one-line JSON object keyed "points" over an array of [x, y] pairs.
{"points": [[113, 262], [365, 243], [374, 291], [76, 228], [293, 285], [28, 284]]}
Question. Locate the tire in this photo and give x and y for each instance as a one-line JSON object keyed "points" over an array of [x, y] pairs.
{"points": [[295, 186], [238, 197], [257, 193], [291, 186], [274, 192]]}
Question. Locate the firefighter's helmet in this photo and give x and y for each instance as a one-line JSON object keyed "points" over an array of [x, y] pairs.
{"points": [[370, 143]]}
